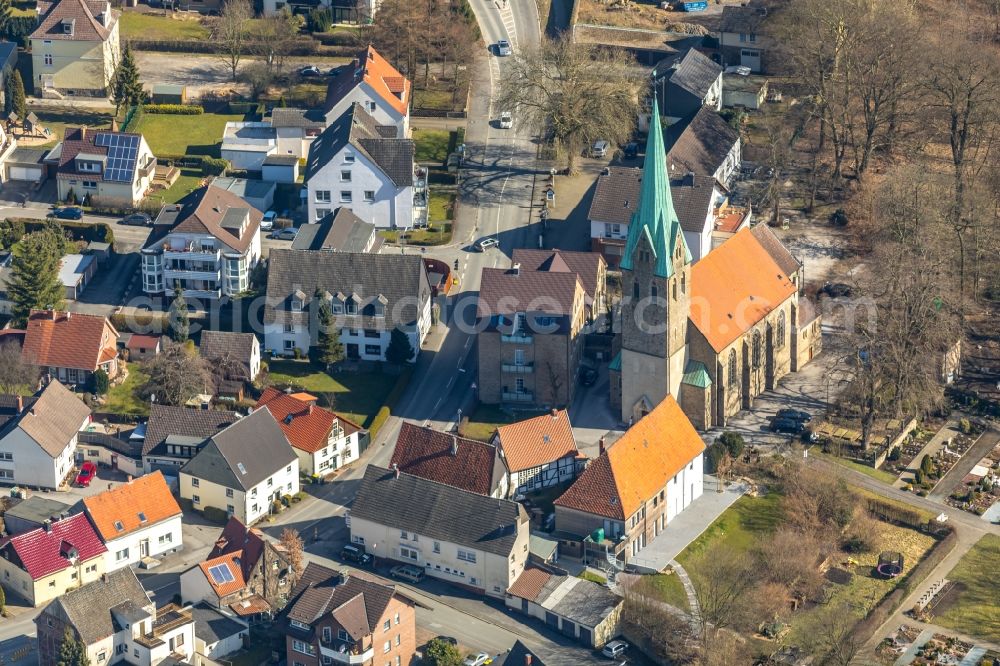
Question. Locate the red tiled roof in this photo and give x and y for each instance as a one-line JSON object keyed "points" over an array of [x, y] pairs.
{"points": [[306, 426], [587, 265], [237, 539], [229, 561], [530, 583], [536, 441], [250, 606], [148, 495], [427, 453], [139, 341], [202, 211], [381, 76], [45, 552], [69, 340], [637, 466], [86, 27], [78, 140]]}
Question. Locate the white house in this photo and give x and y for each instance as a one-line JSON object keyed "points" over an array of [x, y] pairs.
{"points": [[112, 167], [370, 295], [37, 446], [377, 86], [322, 440], [75, 49], [242, 469], [295, 130], [136, 520], [461, 537], [705, 145], [246, 144], [539, 452], [353, 164], [209, 245], [238, 352], [217, 635]]}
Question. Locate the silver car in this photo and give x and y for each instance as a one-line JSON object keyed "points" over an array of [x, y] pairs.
{"points": [[288, 233], [503, 48]]}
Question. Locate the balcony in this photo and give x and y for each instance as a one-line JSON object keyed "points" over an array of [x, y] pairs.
{"points": [[168, 618], [200, 293], [523, 396], [193, 252], [518, 368], [171, 274], [518, 338], [343, 653]]}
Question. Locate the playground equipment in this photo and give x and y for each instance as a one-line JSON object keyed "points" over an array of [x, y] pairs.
{"points": [[890, 564]]}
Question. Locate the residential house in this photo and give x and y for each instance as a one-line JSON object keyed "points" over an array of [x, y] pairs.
{"points": [[142, 347], [322, 440], [748, 92], [371, 81], [705, 145], [32, 513], [540, 452], [216, 634], [341, 617], [590, 267], [339, 231], [174, 435], [115, 620], [343, 11], [237, 354], [635, 487], [611, 209], [37, 445], [467, 539], [46, 562], [114, 168], [741, 41], [75, 272], [362, 165], [576, 607], [473, 466], [138, 519], [258, 194], [207, 244], [519, 655], [245, 145], [687, 81], [295, 130], [244, 573], [71, 346], [75, 49], [530, 334], [242, 469], [369, 296]]}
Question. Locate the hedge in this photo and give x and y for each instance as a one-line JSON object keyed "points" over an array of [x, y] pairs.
{"points": [[141, 322], [214, 166], [77, 230], [17, 29], [385, 411], [175, 109]]}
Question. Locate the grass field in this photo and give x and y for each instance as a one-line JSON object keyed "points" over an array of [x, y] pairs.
{"points": [[169, 134], [190, 179], [738, 526], [976, 610], [356, 396], [124, 398], [138, 25], [431, 145], [486, 418], [441, 205], [668, 588], [877, 474], [56, 120], [434, 234]]}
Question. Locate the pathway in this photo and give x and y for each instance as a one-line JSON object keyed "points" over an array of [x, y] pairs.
{"points": [[693, 605], [947, 433], [976, 452]]}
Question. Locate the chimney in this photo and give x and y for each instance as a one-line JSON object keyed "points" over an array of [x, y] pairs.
{"points": [[555, 413], [454, 445], [527, 660], [47, 524], [516, 268], [128, 478], [395, 471], [600, 446], [20, 404], [106, 16], [310, 408], [53, 313], [68, 314]]}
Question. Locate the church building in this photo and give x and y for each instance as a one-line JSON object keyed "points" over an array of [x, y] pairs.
{"points": [[715, 334]]}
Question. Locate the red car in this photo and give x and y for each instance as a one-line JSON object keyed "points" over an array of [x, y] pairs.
{"points": [[88, 471]]}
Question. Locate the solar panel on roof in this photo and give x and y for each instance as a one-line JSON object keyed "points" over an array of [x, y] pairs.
{"points": [[123, 149], [221, 574]]}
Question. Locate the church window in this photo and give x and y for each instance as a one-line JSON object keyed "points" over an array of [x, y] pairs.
{"points": [[635, 290], [732, 368], [652, 290], [780, 341], [757, 352], [683, 283], [675, 289]]}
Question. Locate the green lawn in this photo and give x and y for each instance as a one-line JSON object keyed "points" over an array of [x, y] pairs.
{"points": [[57, 120], [976, 611], [668, 588], [17, 11], [434, 234], [176, 135], [433, 99], [441, 205], [739, 525], [593, 578], [486, 418], [139, 25], [356, 396], [431, 145], [124, 398], [877, 474], [189, 180]]}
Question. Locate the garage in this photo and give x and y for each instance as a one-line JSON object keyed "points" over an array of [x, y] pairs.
{"points": [[26, 165]]}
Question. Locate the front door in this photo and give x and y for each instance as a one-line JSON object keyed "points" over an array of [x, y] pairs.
{"points": [[352, 351], [114, 461], [144, 548]]}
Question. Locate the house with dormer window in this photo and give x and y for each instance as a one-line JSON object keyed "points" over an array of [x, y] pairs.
{"points": [[75, 49], [111, 167], [368, 294], [371, 81]]}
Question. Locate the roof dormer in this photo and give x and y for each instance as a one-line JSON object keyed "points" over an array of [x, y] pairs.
{"points": [[69, 26]]}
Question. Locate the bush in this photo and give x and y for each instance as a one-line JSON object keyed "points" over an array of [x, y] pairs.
{"points": [[895, 454], [174, 109], [733, 442], [714, 454], [215, 515], [286, 500], [919, 478], [297, 352], [385, 411], [276, 506], [319, 20], [964, 426], [927, 465], [101, 382], [214, 166], [839, 217]]}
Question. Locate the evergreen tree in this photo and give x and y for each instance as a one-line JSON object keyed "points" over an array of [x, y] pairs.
{"points": [[4, 15], [101, 382], [328, 349], [34, 281], [441, 653], [18, 103], [179, 323], [3, 602], [126, 88], [71, 651], [400, 350]]}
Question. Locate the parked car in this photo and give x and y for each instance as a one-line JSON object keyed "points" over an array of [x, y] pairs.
{"points": [[788, 426], [506, 120], [503, 48], [267, 223], [632, 149], [599, 149], [614, 649], [88, 471], [288, 233], [793, 415], [407, 572], [484, 244], [587, 375], [137, 220], [334, 71], [67, 213], [351, 553], [837, 290], [742, 70], [450, 640], [479, 659], [310, 71]]}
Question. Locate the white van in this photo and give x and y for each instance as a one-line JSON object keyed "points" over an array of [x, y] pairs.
{"points": [[600, 149]]}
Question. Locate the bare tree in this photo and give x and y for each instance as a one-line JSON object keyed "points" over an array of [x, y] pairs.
{"points": [[273, 39], [15, 374], [667, 633], [572, 93], [722, 578], [176, 375], [293, 545], [232, 33]]}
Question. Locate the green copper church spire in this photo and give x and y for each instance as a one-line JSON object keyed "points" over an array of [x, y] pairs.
{"points": [[655, 217]]}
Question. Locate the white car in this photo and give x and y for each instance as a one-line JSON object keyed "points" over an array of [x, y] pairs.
{"points": [[503, 48], [506, 120], [480, 659], [484, 244], [267, 223], [614, 649]]}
